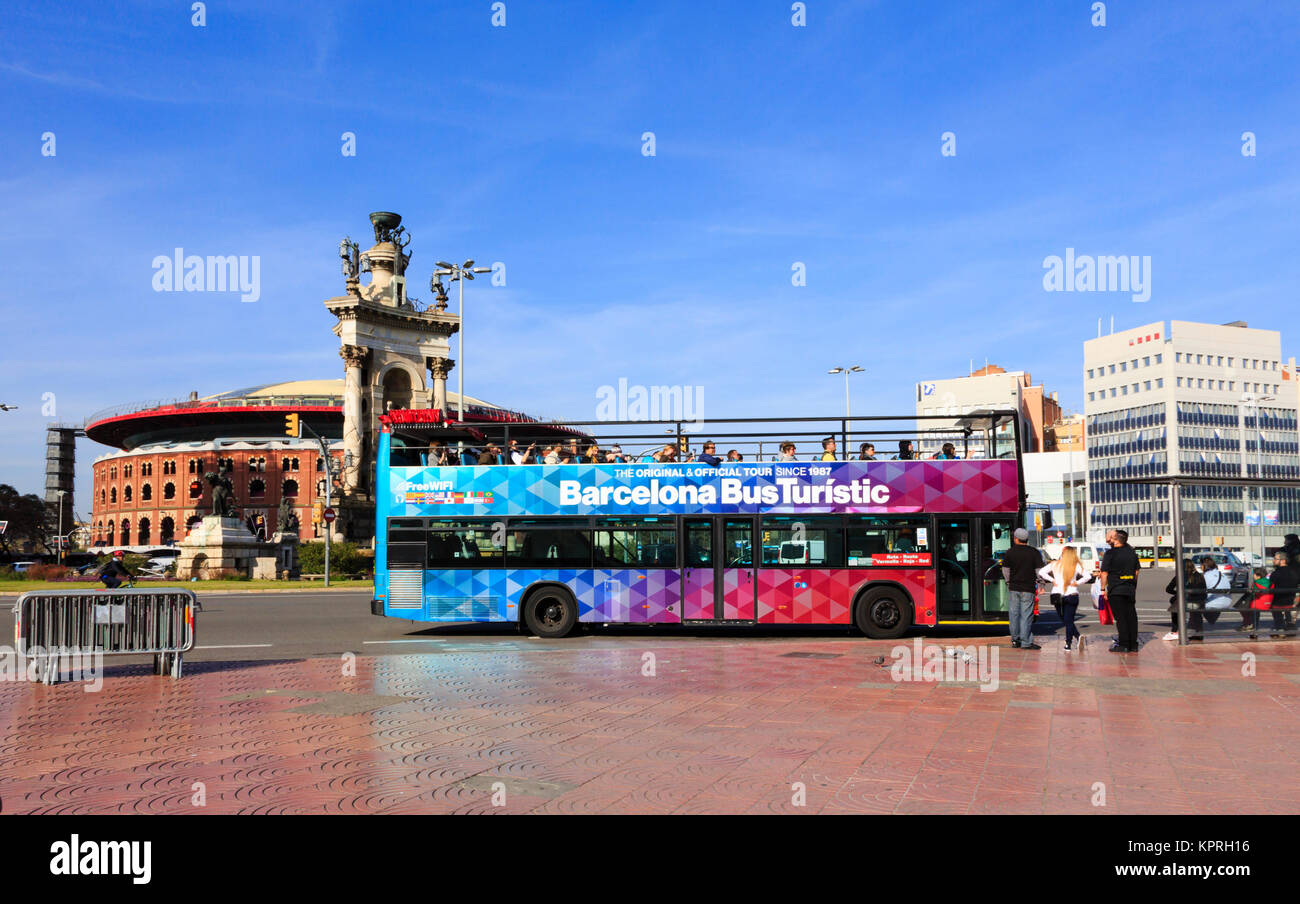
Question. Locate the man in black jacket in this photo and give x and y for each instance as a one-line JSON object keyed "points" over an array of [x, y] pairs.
{"points": [[114, 572], [1119, 571], [1020, 566]]}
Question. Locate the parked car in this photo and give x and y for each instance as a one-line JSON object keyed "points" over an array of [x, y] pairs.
{"points": [[20, 567], [1227, 562]]}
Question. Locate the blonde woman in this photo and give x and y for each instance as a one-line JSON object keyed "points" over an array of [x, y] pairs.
{"points": [[1065, 575]]}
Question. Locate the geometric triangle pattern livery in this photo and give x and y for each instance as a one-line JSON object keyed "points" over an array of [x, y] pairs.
{"points": [[786, 596]]}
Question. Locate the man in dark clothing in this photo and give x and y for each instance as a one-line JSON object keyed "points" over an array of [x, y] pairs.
{"points": [[1020, 566], [1291, 548], [114, 572], [709, 455], [1286, 580], [1119, 571]]}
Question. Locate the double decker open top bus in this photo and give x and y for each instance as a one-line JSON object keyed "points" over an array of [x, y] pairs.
{"points": [[882, 544]]}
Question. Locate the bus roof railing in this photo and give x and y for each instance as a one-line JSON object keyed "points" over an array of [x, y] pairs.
{"points": [[974, 434]]}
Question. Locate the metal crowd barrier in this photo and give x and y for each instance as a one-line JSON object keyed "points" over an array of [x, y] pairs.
{"points": [[158, 622]]}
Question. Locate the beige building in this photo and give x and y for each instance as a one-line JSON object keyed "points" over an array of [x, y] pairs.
{"points": [[988, 387]]}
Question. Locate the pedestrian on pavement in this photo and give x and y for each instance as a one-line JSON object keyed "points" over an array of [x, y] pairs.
{"points": [[1286, 580], [1218, 589], [1261, 599], [1119, 573], [1291, 549], [1065, 575], [1194, 591], [1020, 566]]}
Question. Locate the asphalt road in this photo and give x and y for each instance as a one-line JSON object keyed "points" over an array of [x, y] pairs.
{"points": [[307, 624]]}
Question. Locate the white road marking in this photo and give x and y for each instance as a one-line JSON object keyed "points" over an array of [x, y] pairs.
{"points": [[416, 640], [233, 646]]}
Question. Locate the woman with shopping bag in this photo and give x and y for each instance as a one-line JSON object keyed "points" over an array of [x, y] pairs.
{"points": [[1065, 575]]}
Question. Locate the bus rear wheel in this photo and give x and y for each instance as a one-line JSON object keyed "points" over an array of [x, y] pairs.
{"points": [[551, 612], [883, 613]]}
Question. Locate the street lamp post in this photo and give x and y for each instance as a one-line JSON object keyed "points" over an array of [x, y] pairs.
{"points": [[460, 273], [848, 411], [848, 408]]}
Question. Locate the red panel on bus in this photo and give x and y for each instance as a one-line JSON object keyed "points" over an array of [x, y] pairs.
{"points": [[824, 596]]}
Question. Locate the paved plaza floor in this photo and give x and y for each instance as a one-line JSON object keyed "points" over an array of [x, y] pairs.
{"points": [[660, 724]]}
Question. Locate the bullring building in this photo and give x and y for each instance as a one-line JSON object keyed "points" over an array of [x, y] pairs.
{"points": [[150, 490]]}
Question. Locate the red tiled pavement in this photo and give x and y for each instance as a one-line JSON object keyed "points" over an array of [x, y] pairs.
{"points": [[725, 726]]}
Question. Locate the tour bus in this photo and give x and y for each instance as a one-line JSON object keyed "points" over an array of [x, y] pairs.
{"points": [[885, 545]]}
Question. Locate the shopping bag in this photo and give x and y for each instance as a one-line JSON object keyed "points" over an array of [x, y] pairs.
{"points": [[1104, 615], [1263, 601]]}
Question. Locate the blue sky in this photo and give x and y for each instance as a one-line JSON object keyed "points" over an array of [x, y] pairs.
{"points": [[522, 144]]}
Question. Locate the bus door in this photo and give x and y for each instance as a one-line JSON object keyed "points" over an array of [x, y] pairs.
{"points": [[718, 582], [970, 587]]}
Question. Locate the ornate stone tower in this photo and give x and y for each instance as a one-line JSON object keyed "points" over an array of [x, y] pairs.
{"points": [[389, 345]]}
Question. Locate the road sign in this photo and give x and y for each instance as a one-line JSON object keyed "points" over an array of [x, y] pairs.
{"points": [[3, 525], [328, 515]]}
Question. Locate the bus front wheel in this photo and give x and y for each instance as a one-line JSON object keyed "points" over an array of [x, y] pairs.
{"points": [[551, 612], [883, 613]]}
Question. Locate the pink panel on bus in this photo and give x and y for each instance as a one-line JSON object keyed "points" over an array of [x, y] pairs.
{"points": [[824, 596], [738, 593], [697, 593]]}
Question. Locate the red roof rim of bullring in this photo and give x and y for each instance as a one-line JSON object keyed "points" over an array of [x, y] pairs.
{"points": [[209, 409]]}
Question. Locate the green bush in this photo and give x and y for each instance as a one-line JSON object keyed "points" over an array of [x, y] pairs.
{"points": [[8, 574], [345, 558]]}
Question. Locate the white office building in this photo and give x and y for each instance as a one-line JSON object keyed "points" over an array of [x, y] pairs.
{"points": [[1191, 399]]}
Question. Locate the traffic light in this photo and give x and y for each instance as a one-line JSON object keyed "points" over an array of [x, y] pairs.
{"points": [[1047, 519], [317, 512], [291, 425]]}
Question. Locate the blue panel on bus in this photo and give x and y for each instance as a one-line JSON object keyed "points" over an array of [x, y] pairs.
{"points": [[606, 595]]}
